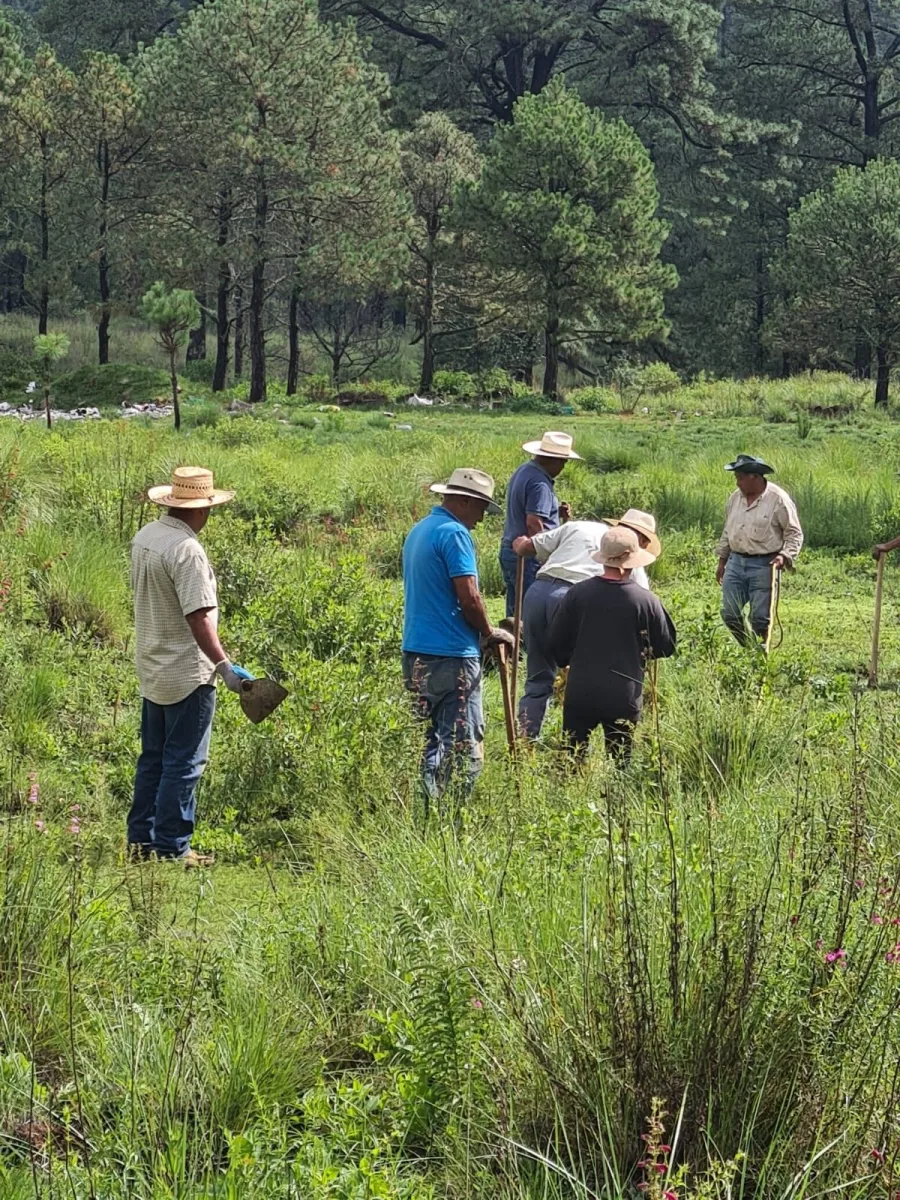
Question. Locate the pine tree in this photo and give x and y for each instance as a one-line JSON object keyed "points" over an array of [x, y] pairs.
{"points": [[842, 270], [109, 138], [437, 159], [298, 121], [569, 199], [36, 99]]}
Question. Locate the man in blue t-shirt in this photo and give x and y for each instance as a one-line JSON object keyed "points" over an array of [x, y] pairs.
{"points": [[532, 506], [445, 628]]}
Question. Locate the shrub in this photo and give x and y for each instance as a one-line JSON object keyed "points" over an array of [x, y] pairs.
{"points": [[199, 370], [658, 379], [594, 399], [455, 385]]}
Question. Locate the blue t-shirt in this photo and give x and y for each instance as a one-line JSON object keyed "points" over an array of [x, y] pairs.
{"points": [[437, 550], [530, 490]]}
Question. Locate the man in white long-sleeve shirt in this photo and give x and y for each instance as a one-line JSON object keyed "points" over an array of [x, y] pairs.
{"points": [[762, 531], [566, 557]]}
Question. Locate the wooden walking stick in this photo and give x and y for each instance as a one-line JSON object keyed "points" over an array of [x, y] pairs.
{"points": [[876, 631], [773, 606], [508, 709], [517, 629]]}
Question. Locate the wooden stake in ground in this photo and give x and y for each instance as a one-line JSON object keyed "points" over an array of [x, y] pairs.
{"points": [[508, 707], [517, 629], [876, 631]]}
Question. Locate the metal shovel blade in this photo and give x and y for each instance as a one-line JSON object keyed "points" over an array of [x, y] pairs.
{"points": [[260, 698]]}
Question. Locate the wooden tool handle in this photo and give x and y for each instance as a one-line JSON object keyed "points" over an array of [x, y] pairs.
{"points": [[876, 630]]}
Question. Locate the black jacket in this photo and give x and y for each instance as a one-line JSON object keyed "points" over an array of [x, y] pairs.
{"points": [[605, 632]]}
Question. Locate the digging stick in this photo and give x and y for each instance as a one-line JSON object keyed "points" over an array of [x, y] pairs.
{"points": [[517, 630], [876, 630], [508, 711]]}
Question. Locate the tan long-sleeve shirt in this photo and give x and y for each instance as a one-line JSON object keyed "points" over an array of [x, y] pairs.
{"points": [[768, 524]]}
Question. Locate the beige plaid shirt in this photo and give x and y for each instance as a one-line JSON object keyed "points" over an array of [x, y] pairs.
{"points": [[171, 578], [768, 525]]}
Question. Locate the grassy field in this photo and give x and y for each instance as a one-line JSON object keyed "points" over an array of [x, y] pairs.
{"points": [[353, 1005]]}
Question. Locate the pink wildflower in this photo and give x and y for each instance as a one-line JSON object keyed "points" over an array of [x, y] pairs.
{"points": [[40, 826], [836, 956], [33, 794], [877, 1155], [475, 1002], [876, 920], [74, 827], [669, 1195]]}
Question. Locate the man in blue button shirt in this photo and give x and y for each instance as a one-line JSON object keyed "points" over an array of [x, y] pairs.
{"points": [[532, 506], [445, 628]]}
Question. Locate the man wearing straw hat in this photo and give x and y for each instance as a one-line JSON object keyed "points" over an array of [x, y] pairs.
{"points": [[532, 506], [445, 627], [179, 657], [565, 557], [762, 536], [605, 631]]}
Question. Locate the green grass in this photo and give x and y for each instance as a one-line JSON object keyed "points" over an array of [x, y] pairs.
{"points": [[352, 1005]]}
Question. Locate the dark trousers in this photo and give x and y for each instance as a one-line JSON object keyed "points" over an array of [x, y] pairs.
{"points": [[174, 751], [579, 724], [509, 563], [540, 607]]}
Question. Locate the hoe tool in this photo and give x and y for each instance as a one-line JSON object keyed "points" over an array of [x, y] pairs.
{"points": [[260, 697]]}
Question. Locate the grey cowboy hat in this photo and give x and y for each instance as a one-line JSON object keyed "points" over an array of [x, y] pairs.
{"points": [[746, 464]]}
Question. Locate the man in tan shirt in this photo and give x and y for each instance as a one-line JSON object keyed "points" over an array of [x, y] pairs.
{"points": [[178, 657], [762, 531]]}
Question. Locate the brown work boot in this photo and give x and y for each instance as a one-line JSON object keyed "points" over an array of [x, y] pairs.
{"points": [[191, 860]]}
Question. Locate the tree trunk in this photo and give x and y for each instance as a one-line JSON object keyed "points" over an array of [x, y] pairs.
{"points": [[882, 378], [426, 382], [196, 351], [174, 374], [871, 114], [862, 359], [293, 343], [103, 254], [47, 404], [760, 310], [551, 354], [238, 331], [223, 293], [258, 295], [44, 301]]}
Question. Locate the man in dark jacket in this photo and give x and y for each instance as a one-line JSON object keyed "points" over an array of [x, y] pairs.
{"points": [[606, 630]]}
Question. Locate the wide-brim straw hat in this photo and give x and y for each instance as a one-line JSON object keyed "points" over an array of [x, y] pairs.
{"points": [[640, 522], [620, 548], [191, 487], [552, 445], [469, 481]]}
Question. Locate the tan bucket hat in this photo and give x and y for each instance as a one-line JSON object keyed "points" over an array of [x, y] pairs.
{"points": [[620, 548], [191, 487], [469, 481], [552, 445], [640, 522]]}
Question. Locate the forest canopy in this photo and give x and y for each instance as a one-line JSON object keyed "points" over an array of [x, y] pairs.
{"points": [[357, 173]]}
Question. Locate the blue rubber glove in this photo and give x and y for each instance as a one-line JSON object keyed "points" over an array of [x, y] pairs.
{"points": [[232, 675]]}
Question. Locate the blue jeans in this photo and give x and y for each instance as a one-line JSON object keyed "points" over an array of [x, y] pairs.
{"points": [[748, 580], [508, 565], [447, 695], [174, 752], [543, 599]]}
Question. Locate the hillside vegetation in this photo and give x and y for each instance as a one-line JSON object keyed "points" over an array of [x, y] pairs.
{"points": [[352, 1004]]}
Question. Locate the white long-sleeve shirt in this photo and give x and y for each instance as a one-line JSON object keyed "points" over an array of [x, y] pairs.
{"points": [[565, 553]]}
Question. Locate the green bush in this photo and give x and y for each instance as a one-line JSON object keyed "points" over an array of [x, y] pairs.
{"points": [[594, 399], [657, 379], [199, 370], [458, 386]]}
